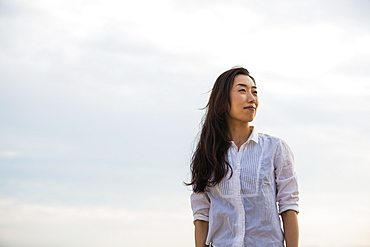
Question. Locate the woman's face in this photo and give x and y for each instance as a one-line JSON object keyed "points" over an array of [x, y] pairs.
{"points": [[243, 100]]}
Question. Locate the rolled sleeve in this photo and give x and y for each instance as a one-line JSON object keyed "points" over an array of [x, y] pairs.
{"points": [[286, 179], [200, 206]]}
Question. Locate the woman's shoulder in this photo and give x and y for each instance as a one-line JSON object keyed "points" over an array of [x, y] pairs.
{"points": [[267, 137], [277, 144], [272, 141]]}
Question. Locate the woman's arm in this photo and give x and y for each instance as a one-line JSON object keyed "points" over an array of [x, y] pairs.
{"points": [[201, 231], [290, 225], [200, 204]]}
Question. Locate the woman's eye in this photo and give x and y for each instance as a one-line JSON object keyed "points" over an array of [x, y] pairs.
{"points": [[242, 90], [255, 92]]}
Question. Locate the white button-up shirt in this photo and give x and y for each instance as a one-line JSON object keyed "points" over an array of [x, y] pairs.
{"points": [[244, 210]]}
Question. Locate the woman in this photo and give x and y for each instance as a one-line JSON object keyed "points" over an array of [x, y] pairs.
{"points": [[242, 180]]}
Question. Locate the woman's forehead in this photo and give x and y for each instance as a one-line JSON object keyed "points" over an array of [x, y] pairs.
{"points": [[243, 80]]}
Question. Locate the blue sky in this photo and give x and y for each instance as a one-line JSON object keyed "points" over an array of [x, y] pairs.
{"points": [[100, 112]]}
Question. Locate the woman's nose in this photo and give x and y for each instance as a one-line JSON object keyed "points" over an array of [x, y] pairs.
{"points": [[251, 98]]}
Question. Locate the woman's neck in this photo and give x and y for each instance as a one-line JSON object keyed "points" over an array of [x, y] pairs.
{"points": [[240, 133]]}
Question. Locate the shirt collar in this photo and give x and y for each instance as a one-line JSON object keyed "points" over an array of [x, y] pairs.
{"points": [[254, 135]]}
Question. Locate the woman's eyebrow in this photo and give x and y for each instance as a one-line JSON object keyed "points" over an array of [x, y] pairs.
{"points": [[245, 85]]}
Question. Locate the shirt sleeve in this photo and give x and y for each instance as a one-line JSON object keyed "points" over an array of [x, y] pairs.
{"points": [[200, 205], [286, 179]]}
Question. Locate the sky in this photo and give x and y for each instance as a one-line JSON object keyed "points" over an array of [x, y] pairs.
{"points": [[101, 104]]}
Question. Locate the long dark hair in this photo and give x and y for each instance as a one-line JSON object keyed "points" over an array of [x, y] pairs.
{"points": [[209, 164]]}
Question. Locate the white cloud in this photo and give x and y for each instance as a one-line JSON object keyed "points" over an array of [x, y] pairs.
{"points": [[10, 154], [93, 226], [326, 216]]}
